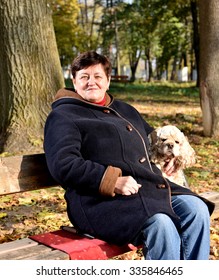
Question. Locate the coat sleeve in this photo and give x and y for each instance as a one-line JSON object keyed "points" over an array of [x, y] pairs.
{"points": [[107, 185], [62, 145]]}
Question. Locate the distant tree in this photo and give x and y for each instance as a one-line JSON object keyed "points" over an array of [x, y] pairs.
{"points": [[30, 73], [122, 32], [89, 20], [69, 34], [110, 33], [133, 36], [77, 26], [172, 40], [209, 66]]}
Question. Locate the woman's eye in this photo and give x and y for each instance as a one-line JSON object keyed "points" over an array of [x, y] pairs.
{"points": [[84, 77]]}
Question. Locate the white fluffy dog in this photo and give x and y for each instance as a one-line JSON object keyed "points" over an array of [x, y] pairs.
{"points": [[169, 142]]}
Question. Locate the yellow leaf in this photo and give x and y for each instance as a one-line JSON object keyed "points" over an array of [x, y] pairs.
{"points": [[215, 236], [3, 215]]}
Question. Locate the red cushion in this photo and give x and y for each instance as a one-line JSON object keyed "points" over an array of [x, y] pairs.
{"points": [[79, 247]]}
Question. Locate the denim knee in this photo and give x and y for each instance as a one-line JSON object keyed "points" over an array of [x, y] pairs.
{"points": [[190, 206], [160, 238], [159, 219], [201, 208], [161, 224]]}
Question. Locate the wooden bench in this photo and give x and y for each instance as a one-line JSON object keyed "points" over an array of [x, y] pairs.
{"points": [[119, 79], [29, 172]]}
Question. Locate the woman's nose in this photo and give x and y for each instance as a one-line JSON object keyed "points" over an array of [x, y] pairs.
{"points": [[91, 80]]}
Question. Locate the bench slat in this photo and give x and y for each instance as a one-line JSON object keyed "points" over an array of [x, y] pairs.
{"points": [[52, 255], [17, 245], [24, 173], [25, 253], [27, 249], [214, 197]]}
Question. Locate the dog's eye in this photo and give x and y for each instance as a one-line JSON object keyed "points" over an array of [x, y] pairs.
{"points": [[177, 142], [163, 139]]}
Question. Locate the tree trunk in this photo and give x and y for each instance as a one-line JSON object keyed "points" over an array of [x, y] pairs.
{"points": [[209, 66], [196, 36], [148, 59], [173, 76], [134, 60], [118, 66], [30, 73]]}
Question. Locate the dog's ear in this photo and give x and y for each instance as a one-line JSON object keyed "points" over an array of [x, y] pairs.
{"points": [[152, 137], [188, 153]]}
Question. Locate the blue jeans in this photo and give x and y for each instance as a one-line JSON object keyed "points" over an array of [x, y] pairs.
{"points": [[190, 241]]}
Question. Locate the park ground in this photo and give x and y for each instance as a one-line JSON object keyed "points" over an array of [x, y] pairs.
{"points": [[36, 212]]}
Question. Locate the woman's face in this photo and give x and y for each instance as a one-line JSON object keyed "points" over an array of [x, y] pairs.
{"points": [[91, 83]]}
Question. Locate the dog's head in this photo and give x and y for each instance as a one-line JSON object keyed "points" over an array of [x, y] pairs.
{"points": [[169, 142]]}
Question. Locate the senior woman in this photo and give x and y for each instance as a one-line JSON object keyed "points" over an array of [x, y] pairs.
{"points": [[97, 149]]}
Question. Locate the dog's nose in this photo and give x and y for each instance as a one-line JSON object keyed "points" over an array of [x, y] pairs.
{"points": [[170, 146]]}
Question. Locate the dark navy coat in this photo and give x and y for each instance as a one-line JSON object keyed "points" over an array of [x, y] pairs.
{"points": [[82, 140]]}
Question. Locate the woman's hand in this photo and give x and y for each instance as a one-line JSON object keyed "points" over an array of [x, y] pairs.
{"points": [[170, 167], [126, 186]]}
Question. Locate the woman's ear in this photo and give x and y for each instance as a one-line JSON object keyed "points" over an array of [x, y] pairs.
{"points": [[109, 79], [73, 82]]}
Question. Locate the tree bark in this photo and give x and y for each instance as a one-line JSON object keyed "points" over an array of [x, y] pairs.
{"points": [[196, 36], [30, 73], [209, 66], [148, 58], [133, 61]]}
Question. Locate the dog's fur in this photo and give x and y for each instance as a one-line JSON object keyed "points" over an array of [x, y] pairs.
{"points": [[169, 142]]}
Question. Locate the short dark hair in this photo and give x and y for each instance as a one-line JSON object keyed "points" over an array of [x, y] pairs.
{"points": [[89, 58]]}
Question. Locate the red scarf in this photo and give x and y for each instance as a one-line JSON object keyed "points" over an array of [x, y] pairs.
{"points": [[102, 102]]}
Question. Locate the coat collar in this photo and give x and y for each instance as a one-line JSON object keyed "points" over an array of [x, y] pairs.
{"points": [[70, 93]]}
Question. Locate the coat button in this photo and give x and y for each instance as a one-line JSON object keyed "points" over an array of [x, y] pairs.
{"points": [[106, 111], [161, 186], [129, 127], [143, 159]]}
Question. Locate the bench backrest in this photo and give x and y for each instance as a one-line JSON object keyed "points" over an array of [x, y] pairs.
{"points": [[30, 172], [24, 173]]}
